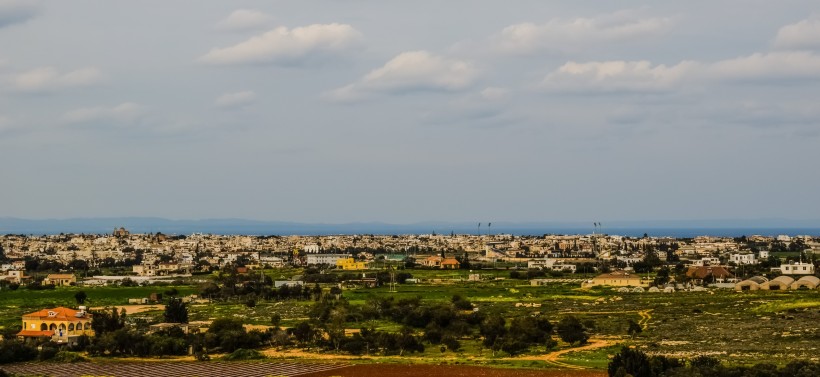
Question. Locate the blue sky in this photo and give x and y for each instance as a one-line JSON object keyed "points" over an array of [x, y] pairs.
{"points": [[331, 111]]}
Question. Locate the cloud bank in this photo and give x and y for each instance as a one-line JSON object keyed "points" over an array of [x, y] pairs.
{"points": [[46, 79], [569, 34], [804, 34], [410, 71], [287, 46], [244, 19], [619, 75]]}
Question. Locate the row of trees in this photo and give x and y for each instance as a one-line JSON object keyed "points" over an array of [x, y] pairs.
{"points": [[635, 363], [436, 324]]}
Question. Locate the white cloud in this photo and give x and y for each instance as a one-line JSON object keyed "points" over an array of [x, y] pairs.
{"points": [[570, 34], [244, 19], [284, 46], [411, 71], [47, 79], [800, 35], [617, 75], [17, 11], [235, 100], [770, 66], [127, 112]]}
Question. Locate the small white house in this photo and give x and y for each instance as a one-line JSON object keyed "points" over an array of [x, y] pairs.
{"points": [[329, 259], [797, 268], [740, 259]]}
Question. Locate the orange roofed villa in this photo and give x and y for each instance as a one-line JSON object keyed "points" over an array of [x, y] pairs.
{"points": [[62, 325]]}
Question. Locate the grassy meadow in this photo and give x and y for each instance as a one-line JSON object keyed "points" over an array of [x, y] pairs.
{"points": [[736, 327]]}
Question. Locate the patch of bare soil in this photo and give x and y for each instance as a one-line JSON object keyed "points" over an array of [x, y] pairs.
{"points": [[415, 370]]}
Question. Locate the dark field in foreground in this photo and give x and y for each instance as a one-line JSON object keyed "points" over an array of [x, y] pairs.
{"points": [[415, 370], [182, 369], [262, 369]]}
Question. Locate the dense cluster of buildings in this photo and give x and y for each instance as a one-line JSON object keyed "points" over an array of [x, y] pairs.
{"points": [[148, 255]]}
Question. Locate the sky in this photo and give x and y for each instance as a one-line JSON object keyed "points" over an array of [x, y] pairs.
{"points": [[406, 111]]}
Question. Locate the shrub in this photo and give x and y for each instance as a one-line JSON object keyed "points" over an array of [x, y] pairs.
{"points": [[68, 357], [244, 354], [12, 351], [47, 353]]}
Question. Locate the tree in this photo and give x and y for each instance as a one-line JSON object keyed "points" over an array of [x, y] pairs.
{"points": [[303, 332], [176, 311], [634, 329], [629, 362], [276, 320], [80, 297], [13, 351], [406, 341], [104, 321], [492, 329], [572, 331]]}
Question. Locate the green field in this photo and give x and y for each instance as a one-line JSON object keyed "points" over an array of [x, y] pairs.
{"points": [[739, 328], [15, 303]]}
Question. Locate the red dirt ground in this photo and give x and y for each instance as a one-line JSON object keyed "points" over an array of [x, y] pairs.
{"points": [[415, 370]]}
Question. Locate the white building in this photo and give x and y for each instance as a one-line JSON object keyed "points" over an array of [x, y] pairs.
{"points": [[708, 261], [550, 264], [797, 268], [329, 259], [743, 259]]}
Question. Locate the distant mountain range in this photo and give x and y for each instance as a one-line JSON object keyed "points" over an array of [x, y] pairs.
{"points": [[675, 228]]}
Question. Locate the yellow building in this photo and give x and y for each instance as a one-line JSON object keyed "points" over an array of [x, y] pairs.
{"points": [[61, 324], [350, 264], [60, 280], [616, 279]]}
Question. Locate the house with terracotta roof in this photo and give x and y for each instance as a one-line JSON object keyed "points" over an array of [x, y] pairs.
{"points": [[450, 264], [60, 280], [432, 261], [61, 324], [718, 274]]}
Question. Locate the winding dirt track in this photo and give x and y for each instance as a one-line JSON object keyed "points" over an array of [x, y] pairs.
{"points": [[552, 358]]}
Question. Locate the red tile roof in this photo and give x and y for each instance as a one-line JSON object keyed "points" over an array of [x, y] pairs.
{"points": [[60, 313], [701, 272], [35, 333]]}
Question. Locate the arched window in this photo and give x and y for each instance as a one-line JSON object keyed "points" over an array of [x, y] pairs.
{"points": [[52, 327], [62, 326], [88, 325], [43, 327], [70, 327]]}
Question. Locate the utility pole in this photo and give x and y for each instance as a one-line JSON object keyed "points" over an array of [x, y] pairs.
{"points": [[392, 280]]}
